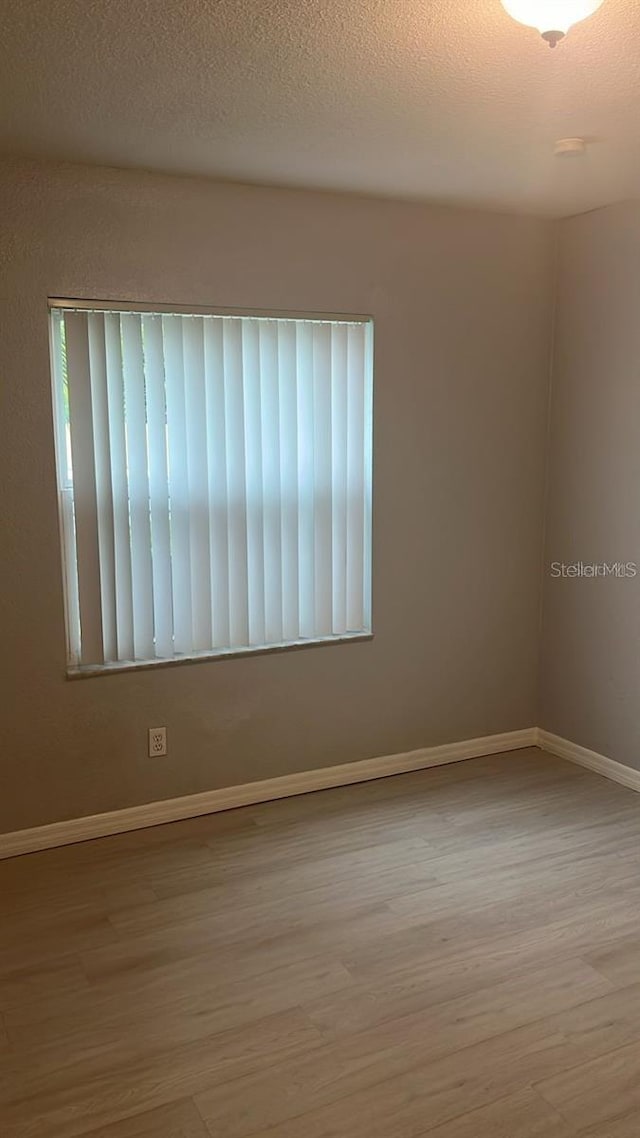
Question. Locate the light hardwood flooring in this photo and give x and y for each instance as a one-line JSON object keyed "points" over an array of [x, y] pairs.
{"points": [[454, 952]]}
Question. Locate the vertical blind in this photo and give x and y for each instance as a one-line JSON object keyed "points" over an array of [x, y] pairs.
{"points": [[214, 480]]}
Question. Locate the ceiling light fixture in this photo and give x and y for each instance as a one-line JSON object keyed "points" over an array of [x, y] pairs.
{"points": [[570, 148], [552, 18]]}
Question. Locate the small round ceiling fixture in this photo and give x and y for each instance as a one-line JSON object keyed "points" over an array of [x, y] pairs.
{"points": [[552, 18], [570, 148]]}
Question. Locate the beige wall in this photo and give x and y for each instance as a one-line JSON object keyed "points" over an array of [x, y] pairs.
{"points": [[590, 690], [462, 307]]}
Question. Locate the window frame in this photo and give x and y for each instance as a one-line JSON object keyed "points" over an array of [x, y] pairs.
{"points": [[79, 671]]}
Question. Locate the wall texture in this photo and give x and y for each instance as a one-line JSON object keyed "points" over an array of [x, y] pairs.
{"points": [[462, 305], [591, 630]]}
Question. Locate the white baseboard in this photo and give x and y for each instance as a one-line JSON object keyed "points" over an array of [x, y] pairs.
{"points": [[212, 801], [610, 768]]}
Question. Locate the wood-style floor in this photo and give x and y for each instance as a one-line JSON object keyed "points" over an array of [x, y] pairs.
{"points": [[454, 952]]}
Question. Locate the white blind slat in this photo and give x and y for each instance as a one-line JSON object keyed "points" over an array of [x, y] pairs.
{"points": [[178, 483], [236, 485], [217, 482], [119, 485], [253, 480], [339, 533], [138, 478], [196, 421], [367, 447], [323, 567], [158, 486], [271, 485], [355, 478], [85, 494], [306, 495], [288, 448], [221, 489], [104, 495]]}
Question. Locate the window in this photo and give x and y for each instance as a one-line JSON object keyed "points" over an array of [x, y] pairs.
{"points": [[214, 475]]}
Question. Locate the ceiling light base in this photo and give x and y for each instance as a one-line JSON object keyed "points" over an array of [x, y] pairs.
{"points": [[553, 38], [570, 148]]}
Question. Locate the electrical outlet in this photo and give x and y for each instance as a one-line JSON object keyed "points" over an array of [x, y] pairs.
{"points": [[157, 741]]}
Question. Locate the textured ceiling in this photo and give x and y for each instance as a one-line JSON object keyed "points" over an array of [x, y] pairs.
{"points": [[446, 100]]}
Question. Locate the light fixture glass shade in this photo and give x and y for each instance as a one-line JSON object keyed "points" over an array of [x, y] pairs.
{"points": [[550, 16]]}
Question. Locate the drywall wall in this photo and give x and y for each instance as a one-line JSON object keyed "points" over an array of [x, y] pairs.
{"points": [[591, 627], [462, 305]]}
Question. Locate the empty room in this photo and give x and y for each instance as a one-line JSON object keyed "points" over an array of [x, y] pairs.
{"points": [[320, 565]]}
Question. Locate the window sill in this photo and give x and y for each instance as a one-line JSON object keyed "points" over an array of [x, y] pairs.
{"points": [[88, 671]]}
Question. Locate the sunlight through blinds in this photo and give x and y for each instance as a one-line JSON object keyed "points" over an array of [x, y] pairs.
{"points": [[214, 475]]}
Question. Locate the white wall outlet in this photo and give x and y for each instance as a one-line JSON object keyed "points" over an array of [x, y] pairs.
{"points": [[157, 741]]}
